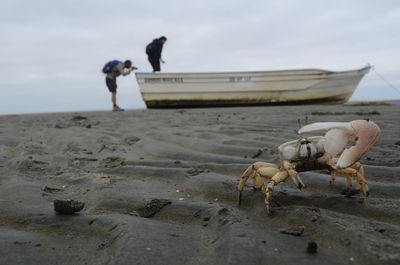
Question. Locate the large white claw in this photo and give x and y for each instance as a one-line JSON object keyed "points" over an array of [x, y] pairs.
{"points": [[366, 133], [335, 141], [338, 135], [326, 126]]}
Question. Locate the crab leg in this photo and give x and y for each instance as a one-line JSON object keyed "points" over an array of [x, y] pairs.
{"points": [[361, 182], [276, 179], [296, 179], [266, 170], [358, 172], [333, 177], [348, 173]]}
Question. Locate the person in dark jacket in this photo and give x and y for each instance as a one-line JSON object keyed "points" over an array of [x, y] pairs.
{"points": [[153, 51]]}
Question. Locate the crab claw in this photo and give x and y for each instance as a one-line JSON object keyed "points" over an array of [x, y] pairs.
{"points": [[326, 126], [335, 140], [366, 133], [339, 133]]}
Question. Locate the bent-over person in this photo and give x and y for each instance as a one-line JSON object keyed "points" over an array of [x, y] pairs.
{"points": [[114, 69]]}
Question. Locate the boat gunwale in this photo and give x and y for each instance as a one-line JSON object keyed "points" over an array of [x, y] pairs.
{"points": [[285, 72]]}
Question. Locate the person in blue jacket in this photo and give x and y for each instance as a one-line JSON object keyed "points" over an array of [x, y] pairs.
{"points": [[121, 68]]}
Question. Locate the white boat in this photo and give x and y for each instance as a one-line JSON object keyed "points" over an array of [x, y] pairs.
{"points": [[169, 90]]}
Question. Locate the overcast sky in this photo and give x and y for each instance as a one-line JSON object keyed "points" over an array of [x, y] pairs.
{"points": [[52, 52]]}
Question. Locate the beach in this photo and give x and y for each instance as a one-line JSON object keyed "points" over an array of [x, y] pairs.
{"points": [[159, 186]]}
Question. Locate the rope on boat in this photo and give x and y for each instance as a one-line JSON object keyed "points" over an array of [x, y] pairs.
{"points": [[387, 82]]}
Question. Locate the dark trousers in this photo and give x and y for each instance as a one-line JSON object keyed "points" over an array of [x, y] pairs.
{"points": [[111, 84], [155, 62]]}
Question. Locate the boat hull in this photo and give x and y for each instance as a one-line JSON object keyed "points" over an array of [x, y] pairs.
{"points": [[169, 90]]}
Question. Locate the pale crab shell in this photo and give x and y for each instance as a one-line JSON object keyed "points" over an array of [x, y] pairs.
{"points": [[339, 133], [295, 150]]}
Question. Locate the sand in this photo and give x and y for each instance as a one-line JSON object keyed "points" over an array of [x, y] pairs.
{"points": [[159, 187]]}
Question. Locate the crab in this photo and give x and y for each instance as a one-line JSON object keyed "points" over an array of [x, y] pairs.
{"points": [[316, 153]]}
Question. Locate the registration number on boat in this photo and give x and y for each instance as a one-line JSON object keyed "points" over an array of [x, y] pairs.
{"points": [[236, 79], [164, 80]]}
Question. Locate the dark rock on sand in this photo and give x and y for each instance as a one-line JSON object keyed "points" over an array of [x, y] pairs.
{"points": [[152, 207], [68, 207], [112, 161], [131, 140], [312, 247], [294, 231], [51, 190], [259, 152], [80, 121], [78, 118]]}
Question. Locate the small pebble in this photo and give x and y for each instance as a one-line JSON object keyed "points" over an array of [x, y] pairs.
{"points": [[312, 247]]}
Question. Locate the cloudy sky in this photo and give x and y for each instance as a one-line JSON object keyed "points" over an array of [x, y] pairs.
{"points": [[51, 52]]}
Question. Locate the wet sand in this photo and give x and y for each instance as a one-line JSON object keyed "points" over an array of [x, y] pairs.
{"points": [[159, 187]]}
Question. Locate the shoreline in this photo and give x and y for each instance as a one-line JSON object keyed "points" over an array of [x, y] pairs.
{"points": [[349, 103]]}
